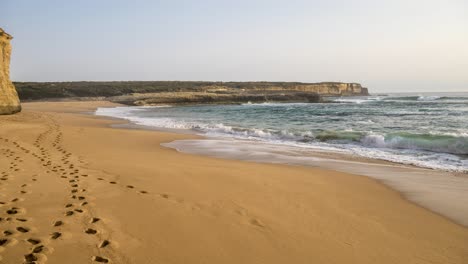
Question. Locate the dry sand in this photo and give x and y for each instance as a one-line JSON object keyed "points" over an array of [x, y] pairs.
{"points": [[155, 205]]}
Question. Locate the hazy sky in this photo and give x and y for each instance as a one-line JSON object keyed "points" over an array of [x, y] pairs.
{"points": [[394, 45]]}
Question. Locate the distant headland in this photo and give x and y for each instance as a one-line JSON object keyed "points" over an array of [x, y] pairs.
{"points": [[186, 92]]}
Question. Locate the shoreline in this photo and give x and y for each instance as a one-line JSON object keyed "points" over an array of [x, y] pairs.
{"points": [[441, 192], [445, 198], [184, 208], [440, 150]]}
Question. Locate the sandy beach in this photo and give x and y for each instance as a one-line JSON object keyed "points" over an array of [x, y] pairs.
{"points": [[73, 189]]}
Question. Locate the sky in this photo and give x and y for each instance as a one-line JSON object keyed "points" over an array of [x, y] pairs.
{"points": [[387, 46]]}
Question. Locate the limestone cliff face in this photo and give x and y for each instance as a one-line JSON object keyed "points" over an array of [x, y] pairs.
{"points": [[9, 102], [323, 88], [333, 88], [48, 90]]}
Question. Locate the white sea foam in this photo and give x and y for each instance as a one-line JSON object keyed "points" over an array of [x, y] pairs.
{"points": [[356, 101], [131, 114], [366, 122], [428, 98], [274, 104]]}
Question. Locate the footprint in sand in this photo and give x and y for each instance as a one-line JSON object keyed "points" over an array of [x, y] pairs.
{"points": [[38, 249], [69, 213], [22, 229], [7, 233], [104, 244], [56, 235], [100, 259], [3, 242], [33, 241], [30, 258], [91, 231], [12, 211]]}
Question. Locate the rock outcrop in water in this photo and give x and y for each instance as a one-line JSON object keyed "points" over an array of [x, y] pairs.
{"points": [[9, 102], [217, 98]]}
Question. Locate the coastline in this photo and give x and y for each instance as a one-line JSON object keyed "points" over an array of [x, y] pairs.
{"points": [[440, 191], [225, 211]]}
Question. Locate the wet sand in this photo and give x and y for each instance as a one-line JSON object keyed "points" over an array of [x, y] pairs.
{"points": [[75, 190], [442, 192]]}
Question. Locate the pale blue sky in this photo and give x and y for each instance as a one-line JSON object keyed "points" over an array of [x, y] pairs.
{"points": [[393, 45]]}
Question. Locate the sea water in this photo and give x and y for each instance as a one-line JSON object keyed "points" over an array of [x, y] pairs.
{"points": [[425, 130]]}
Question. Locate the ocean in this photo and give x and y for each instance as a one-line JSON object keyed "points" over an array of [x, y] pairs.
{"points": [[424, 130]]}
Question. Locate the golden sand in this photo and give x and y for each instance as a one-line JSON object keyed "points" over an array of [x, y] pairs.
{"points": [[75, 190]]}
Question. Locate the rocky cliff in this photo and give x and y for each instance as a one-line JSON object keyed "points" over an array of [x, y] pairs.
{"points": [[325, 88], [9, 102], [158, 90], [335, 89]]}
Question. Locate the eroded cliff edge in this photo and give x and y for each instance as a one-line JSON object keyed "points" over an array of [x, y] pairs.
{"points": [[9, 101]]}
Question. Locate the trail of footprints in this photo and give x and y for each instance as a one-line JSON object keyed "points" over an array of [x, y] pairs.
{"points": [[59, 163], [14, 216], [55, 162]]}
